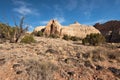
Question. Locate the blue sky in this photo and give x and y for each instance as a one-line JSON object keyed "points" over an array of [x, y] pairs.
{"points": [[39, 12]]}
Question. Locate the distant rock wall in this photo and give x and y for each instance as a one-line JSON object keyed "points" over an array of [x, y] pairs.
{"points": [[76, 29], [110, 29]]}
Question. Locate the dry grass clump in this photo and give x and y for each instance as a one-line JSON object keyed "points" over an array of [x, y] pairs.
{"points": [[102, 54], [40, 70]]}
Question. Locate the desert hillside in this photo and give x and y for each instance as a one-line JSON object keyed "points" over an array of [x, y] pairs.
{"points": [[57, 59]]}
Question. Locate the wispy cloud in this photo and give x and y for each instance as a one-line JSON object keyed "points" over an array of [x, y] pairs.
{"points": [[117, 2], [86, 7], [71, 4], [58, 10], [44, 22], [24, 8], [97, 21], [58, 14], [60, 19]]}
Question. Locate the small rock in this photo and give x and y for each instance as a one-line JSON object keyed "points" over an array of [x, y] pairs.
{"points": [[18, 72], [51, 51], [115, 71], [71, 73], [2, 61], [98, 67]]}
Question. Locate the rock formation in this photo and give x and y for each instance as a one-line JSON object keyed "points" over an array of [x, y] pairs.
{"points": [[76, 29], [53, 27], [115, 35], [39, 28], [110, 29]]}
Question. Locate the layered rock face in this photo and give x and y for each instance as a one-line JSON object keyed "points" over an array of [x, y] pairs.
{"points": [[115, 36], [110, 29], [76, 29], [53, 27]]}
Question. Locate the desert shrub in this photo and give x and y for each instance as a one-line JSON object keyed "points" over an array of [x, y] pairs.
{"points": [[66, 37], [98, 55], [53, 36], [28, 39], [34, 33], [39, 33], [73, 38], [93, 39], [13, 33], [4, 31]]}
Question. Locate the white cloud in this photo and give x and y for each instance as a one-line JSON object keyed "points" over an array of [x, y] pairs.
{"points": [[24, 8]]}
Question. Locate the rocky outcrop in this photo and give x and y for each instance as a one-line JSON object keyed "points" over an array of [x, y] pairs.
{"points": [[115, 36], [53, 27], [110, 29], [76, 29], [39, 28]]}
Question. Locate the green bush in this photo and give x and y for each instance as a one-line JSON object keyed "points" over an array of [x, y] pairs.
{"points": [[28, 39], [54, 36], [94, 39], [12, 33], [39, 33], [73, 38], [66, 37]]}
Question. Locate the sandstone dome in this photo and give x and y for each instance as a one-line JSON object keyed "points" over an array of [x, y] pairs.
{"points": [[75, 29], [39, 28], [79, 30]]}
